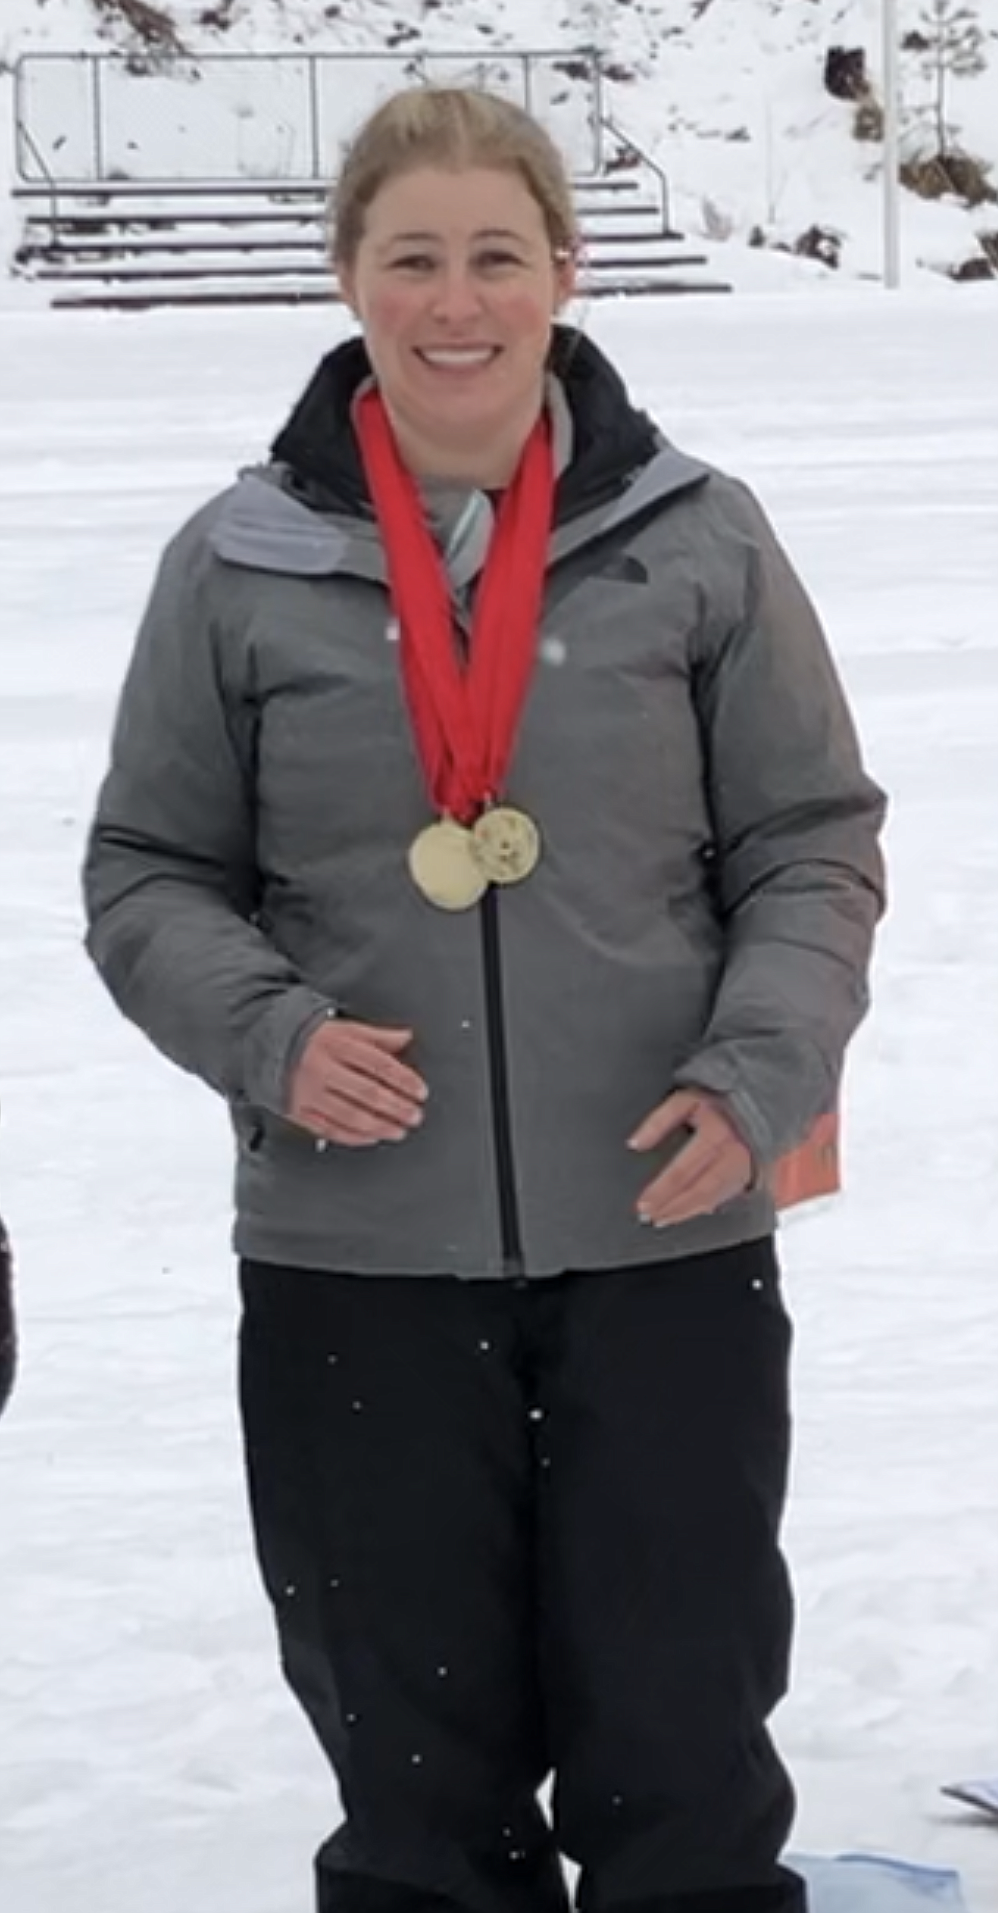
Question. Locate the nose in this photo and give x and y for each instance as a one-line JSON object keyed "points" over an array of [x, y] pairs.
{"points": [[456, 296]]}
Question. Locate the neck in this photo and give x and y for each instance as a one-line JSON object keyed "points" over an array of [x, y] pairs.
{"points": [[488, 467]]}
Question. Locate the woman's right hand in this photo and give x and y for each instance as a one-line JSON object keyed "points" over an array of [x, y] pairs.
{"points": [[350, 1087]]}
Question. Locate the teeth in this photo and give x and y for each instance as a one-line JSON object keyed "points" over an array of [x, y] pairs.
{"points": [[480, 356]]}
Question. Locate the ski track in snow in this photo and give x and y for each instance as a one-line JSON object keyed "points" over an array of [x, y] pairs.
{"points": [[148, 1753]]}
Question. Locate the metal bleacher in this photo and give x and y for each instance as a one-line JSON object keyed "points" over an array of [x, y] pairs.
{"points": [[94, 236]]}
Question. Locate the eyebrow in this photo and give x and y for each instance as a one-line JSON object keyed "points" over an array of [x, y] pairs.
{"points": [[424, 238]]}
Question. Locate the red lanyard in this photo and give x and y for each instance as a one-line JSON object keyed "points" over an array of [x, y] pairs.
{"points": [[464, 716]]}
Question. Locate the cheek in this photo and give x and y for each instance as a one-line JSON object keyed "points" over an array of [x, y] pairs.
{"points": [[529, 315], [387, 314]]}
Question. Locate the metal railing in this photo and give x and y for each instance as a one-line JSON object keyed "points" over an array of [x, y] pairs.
{"points": [[96, 118], [23, 133], [630, 145]]}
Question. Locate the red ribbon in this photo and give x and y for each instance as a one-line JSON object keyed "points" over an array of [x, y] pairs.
{"points": [[464, 716]]}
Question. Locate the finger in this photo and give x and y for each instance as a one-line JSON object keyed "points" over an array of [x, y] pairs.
{"points": [[696, 1160], [682, 1167], [366, 1059], [398, 1077], [670, 1115], [332, 1087], [331, 1090], [350, 1124], [720, 1181], [356, 1139], [385, 1037], [346, 1081], [702, 1200]]}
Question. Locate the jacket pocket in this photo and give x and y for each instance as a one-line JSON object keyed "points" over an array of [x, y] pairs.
{"points": [[250, 1129]]}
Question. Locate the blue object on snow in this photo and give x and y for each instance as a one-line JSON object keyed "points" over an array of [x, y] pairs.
{"points": [[859, 1883]]}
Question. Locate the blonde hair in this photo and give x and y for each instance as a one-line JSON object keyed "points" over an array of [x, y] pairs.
{"points": [[453, 127]]}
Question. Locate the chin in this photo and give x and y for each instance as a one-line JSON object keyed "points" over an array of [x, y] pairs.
{"points": [[469, 410]]}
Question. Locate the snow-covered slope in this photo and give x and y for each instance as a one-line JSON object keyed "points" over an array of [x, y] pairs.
{"points": [[727, 94]]}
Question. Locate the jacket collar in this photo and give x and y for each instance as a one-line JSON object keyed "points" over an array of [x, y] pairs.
{"points": [[307, 512]]}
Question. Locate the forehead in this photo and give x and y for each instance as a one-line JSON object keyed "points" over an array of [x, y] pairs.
{"points": [[453, 203]]}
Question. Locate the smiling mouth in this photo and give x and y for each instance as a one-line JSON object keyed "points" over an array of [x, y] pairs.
{"points": [[458, 358]]}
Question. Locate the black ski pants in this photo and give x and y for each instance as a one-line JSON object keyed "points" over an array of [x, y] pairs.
{"points": [[528, 1530]]}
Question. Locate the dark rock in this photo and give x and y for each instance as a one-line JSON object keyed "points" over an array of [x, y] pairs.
{"points": [[977, 267], [868, 120], [623, 161], [151, 25], [945, 174], [819, 242], [846, 77]]}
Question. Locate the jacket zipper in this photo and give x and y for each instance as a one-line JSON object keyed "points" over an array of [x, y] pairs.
{"points": [[502, 1128]]}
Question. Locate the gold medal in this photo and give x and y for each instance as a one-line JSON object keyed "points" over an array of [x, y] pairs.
{"points": [[445, 867], [507, 844]]}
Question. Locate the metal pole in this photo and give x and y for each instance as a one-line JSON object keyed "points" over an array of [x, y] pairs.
{"points": [[892, 144], [597, 105], [20, 144], [315, 141], [97, 109]]}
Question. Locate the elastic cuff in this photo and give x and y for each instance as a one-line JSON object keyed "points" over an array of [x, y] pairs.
{"points": [[276, 1044]]}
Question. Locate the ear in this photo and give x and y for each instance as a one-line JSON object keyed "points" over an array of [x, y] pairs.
{"points": [[566, 276], [346, 280]]}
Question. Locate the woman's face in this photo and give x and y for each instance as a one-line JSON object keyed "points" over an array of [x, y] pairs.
{"points": [[455, 286]]}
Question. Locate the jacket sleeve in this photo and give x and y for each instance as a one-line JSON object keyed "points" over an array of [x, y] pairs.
{"points": [[170, 879], [799, 875]]}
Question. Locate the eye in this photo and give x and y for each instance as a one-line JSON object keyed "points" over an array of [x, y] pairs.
{"points": [[497, 259], [414, 262]]}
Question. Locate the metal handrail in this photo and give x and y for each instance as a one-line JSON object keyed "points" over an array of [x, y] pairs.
{"points": [[477, 55], [602, 121], [22, 133], [627, 140]]}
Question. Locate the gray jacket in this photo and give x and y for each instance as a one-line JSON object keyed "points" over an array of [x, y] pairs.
{"points": [[702, 915]]}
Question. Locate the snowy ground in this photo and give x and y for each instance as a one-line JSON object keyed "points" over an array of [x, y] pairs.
{"points": [[148, 1756]]}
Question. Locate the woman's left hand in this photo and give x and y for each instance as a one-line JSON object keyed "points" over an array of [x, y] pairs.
{"points": [[710, 1168]]}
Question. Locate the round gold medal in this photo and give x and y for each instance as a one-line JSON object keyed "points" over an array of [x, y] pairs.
{"points": [[445, 866], [507, 844]]}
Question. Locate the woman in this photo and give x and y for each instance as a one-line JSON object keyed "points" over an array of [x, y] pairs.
{"points": [[486, 824]]}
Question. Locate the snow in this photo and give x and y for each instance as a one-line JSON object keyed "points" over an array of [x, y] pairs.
{"points": [[149, 1755], [728, 97]]}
